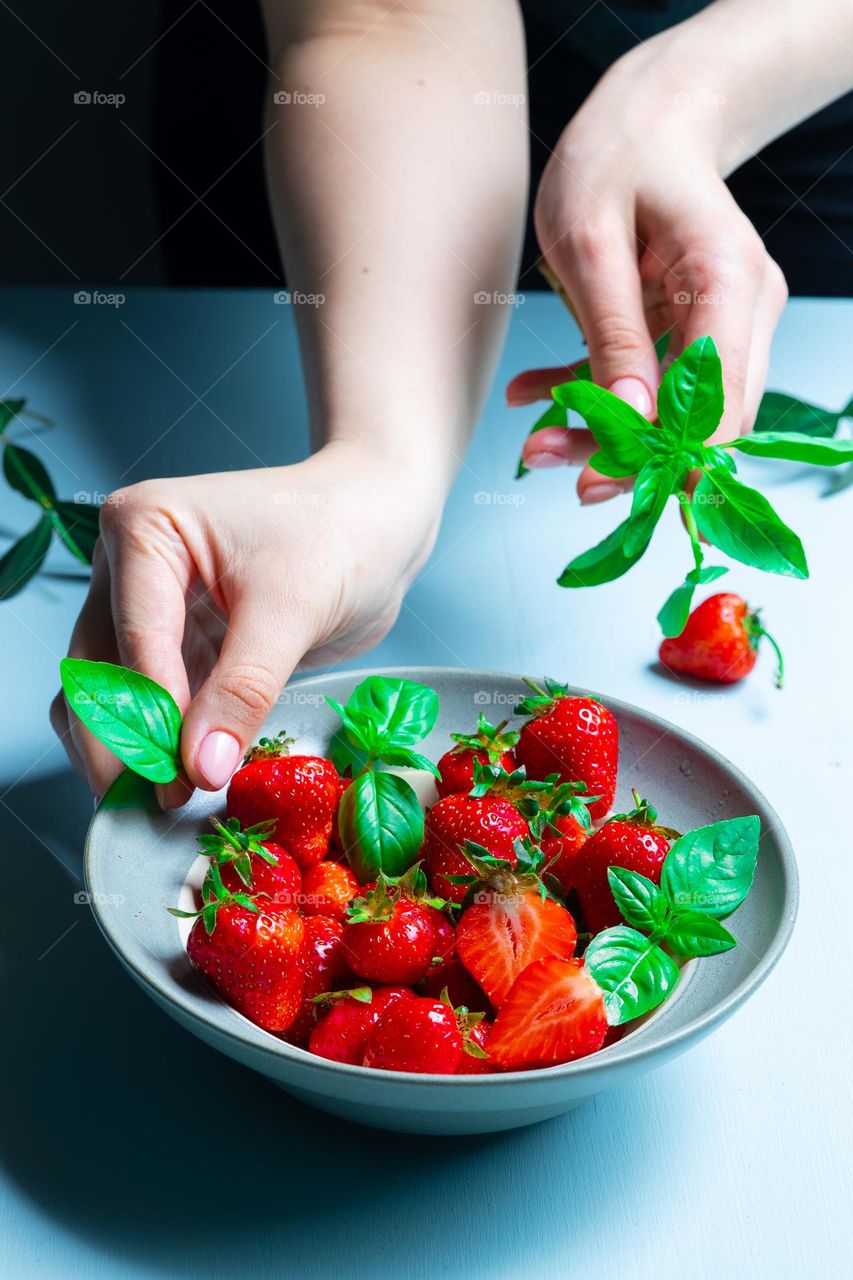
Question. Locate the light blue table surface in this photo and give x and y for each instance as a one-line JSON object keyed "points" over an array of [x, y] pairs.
{"points": [[129, 1148]]}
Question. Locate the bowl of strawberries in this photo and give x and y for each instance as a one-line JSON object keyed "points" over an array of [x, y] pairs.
{"points": [[439, 900]]}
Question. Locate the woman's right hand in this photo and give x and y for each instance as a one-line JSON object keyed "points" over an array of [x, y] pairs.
{"points": [[219, 586]]}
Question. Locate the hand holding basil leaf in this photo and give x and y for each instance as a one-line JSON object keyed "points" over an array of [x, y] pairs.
{"points": [[730, 515]]}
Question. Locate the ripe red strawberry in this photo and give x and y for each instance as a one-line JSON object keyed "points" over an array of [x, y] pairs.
{"points": [[573, 736], [336, 834], [470, 1065], [461, 988], [560, 852], [299, 792], [488, 820], [490, 744], [554, 1013], [388, 937], [719, 642], [508, 925], [341, 1033], [247, 861], [632, 840], [248, 949], [327, 889], [416, 1035], [323, 961]]}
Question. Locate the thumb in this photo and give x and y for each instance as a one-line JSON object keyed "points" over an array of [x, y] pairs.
{"points": [[606, 291], [258, 655]]}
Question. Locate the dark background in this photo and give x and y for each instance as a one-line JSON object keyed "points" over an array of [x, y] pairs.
{"points": [[168, 188]]}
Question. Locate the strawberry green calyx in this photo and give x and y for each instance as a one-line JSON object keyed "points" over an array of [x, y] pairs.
{"points": [[568, 799], [269, 748], [540, 802], [543, 699], [490, 874], [232, 845], [644, 815], [491, 738], [363, 995], [378, 903], [214, 897], [755, 630], [466, 1022]]}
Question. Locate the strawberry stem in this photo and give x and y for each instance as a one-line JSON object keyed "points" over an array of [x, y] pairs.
{"points": [[690, 524], [756, 630]]}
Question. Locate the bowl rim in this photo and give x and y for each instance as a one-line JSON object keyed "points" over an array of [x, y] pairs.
{"points": [[277, 1050]]}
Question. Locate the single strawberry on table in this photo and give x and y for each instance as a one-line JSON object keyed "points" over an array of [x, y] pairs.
{"points": [[300, 792], [489, 744], [510, 921], [390, 935], [423, 1035], [327, 890], [248, 949], [554, 1013], [323, 961], [632, 840], [572, 735], [719, 642], [346, 1018], [248, 860]]}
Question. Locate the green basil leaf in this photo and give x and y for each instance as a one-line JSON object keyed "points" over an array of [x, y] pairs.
{"points": [[662, 344], [9, 409], [405, 758], [554, 416], [24, 559], [26, 473], [640, 901], [708, 573], [675, 610], [796, 446], [402, 711], [381, 824], [695, 933], [78, 525], [778, 412], [602, 563], [623, 434], [690, 399], [711, 869], [655, 484], [130, 791], [741, 522], [634, 974], [133, 716]]}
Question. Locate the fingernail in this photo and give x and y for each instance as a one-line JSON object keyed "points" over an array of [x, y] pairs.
{"points": [[599, 493], [633, 392], [550, 447], [218, 757]]}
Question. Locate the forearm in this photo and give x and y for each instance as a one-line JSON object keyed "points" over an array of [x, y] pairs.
{"points": [[750, 71], [399, 198]]}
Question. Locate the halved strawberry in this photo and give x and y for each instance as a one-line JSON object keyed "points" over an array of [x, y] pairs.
{"points": [[554, 1013], [509, 924]]}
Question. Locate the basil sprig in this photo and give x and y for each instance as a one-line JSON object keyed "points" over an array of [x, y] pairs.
{"points": [[133, 716], [730, 515], [705, 877], [380, 818], [75, 523]]}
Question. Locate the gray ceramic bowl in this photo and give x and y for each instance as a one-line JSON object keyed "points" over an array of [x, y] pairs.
{"points": [[138, 861]]}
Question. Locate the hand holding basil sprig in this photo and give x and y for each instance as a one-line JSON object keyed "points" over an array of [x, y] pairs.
{"points": [[728, 514]]}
